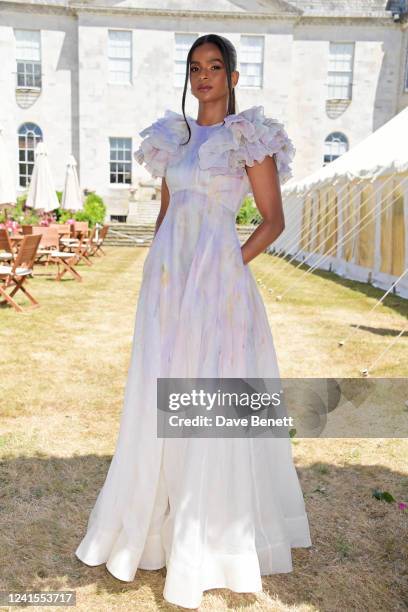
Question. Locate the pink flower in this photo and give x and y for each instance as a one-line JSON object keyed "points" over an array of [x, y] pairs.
{"points": [[403, 506]]}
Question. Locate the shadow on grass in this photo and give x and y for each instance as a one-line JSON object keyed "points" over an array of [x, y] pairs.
{"points": [[393, 301], [382, 331], [46, 502]]}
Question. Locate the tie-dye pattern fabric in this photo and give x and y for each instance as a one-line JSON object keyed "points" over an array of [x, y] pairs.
{"points": [[218, 512]]}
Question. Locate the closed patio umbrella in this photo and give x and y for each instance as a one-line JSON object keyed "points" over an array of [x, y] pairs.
{"points": [[72, 196], [41, 192]]}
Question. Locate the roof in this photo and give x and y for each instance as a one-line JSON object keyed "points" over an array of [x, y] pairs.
{"points": [[383, 152]]}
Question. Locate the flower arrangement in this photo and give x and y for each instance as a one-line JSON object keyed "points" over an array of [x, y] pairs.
{"points": [[46, 218], [11, 226]]}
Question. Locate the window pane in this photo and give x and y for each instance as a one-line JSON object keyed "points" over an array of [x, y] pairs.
{"points": [[251, 60], [29, 74], [120, 150], [182, 44], [335, 145], [120, 56], [340, 74], [29, 135], [27, 44], [120, 43], [341, 56]]}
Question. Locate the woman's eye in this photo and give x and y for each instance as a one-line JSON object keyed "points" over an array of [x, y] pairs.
{"points": [[195, 68]]}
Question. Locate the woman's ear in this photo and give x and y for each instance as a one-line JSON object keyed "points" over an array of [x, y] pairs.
{"points": [[235, 77]]}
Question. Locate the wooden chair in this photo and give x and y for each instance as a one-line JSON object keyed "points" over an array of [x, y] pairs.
{"points": [[16, 275], [49, 248], [83, 246], [96, 246], [63, 229], [49, 241], [80, 229], [7, 251]]}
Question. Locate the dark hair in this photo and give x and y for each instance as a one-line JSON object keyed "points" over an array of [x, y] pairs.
{"points": [[229, 55]]}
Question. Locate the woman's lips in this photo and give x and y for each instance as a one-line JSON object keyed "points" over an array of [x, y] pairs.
{"points": [[205, 88]]}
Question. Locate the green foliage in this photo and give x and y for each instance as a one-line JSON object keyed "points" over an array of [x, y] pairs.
{"points": [[21, 200], [248, 213], [23, 217], [383, 496], [94, 211]]}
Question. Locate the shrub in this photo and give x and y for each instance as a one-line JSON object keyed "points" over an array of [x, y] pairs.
{"points": [[94, 211], [248, 213]]}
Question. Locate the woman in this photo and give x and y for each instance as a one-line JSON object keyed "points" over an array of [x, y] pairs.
{"points": [[217, 512]]}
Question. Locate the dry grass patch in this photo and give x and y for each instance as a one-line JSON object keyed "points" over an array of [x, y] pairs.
{"points": [[64, 368]]}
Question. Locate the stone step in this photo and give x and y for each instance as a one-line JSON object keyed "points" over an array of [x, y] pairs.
{"points": [[124, 234], [143, 212]]}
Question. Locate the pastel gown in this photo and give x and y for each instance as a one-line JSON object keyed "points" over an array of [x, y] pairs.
{"points": [[217, 512]]}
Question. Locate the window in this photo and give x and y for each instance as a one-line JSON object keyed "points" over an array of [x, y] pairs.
{"points": [[119, 218], [120, 56], [29, 135], [251, 61], [183, 43], [28, 58], [335, 145], [340, 77], [120, 160]]}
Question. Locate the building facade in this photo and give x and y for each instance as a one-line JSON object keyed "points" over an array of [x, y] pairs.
{"points": [[85, 77]]}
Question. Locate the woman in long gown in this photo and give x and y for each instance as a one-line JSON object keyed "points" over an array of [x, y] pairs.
{"points": [[217, 512]]}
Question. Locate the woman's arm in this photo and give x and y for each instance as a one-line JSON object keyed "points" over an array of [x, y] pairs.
{"points": [[165, 199], [265, 185]]}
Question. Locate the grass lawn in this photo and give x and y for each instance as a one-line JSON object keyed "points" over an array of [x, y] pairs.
{"points": [[63, 372]]}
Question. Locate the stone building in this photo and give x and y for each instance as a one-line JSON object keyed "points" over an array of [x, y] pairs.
{"points": [[86, 76]]}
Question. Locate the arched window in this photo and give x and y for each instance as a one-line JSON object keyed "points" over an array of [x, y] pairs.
{"points": [[29, 135], [335, 145]]}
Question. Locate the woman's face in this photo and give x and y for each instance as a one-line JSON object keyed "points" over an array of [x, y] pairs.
{"points": [[208, 74]]}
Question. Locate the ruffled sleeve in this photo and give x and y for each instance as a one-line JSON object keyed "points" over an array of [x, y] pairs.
{"points": [[246, 138], [161, 143]]}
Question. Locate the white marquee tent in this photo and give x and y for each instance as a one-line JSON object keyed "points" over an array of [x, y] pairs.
{"points": [[351, 216]]}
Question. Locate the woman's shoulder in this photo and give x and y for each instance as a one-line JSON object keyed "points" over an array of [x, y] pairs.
{"points": [[169, 122], [161, 140], [248, 137]]}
